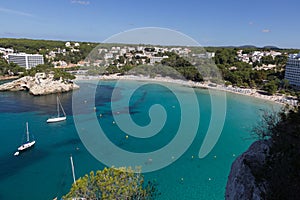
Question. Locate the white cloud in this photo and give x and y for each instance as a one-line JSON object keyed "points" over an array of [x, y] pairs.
{"points": [[80, 2], [266, 31], [251, 23], [15, 12]]}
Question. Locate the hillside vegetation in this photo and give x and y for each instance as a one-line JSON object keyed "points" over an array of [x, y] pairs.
{"points": [[282, 168]]}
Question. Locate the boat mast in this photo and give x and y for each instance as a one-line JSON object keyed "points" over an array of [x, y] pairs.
{"points": [[72, 166], [57, 102], [27, 132], [59, 105], [62, 108]]}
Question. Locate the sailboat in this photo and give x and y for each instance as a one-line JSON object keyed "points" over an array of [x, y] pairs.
{"points": [[27, 144], [74, 180], [58, 118]]}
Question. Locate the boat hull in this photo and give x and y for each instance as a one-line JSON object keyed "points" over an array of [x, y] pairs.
{"points": [[56, 119], [26, 146]]}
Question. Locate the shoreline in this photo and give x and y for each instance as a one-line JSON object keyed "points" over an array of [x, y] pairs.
{"points": [[4, 78], [280, 99], [40, 84]]}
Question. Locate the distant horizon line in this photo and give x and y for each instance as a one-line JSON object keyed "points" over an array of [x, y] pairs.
{"points": [[220, 46]]}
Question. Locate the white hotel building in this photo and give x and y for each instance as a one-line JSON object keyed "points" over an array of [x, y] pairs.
{"points": [[26, 60], [292, 70]]}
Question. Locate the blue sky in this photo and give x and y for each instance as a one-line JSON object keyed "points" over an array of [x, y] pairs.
{"points": [[211, 23]]}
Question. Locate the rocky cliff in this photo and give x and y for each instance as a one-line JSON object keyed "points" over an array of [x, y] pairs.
{"points": [[41, 84], [242, 183]]}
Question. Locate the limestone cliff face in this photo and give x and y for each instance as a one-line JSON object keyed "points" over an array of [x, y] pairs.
{"points": [[41, 84], [242, 183]]}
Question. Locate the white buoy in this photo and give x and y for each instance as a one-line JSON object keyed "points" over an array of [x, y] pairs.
{"points": [[209, 179], [113, 122], [215, 157], [17, 153], [233, 155], [126, 137]]}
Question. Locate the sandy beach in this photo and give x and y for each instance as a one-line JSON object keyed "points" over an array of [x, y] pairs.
{"points": [[281, 99]]}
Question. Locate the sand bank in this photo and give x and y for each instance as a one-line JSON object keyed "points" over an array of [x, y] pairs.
{"points": [[282, 99]]}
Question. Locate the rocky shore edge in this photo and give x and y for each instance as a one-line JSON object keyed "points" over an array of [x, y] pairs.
{"points": [[3, 78], [40, 84], [242, 182]]}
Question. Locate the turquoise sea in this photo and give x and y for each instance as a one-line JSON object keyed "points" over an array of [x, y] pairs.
{"points": [[44, 171]]}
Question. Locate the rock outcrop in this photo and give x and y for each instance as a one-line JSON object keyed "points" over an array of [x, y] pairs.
{"points": [[242, 182], [41, 84]]}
